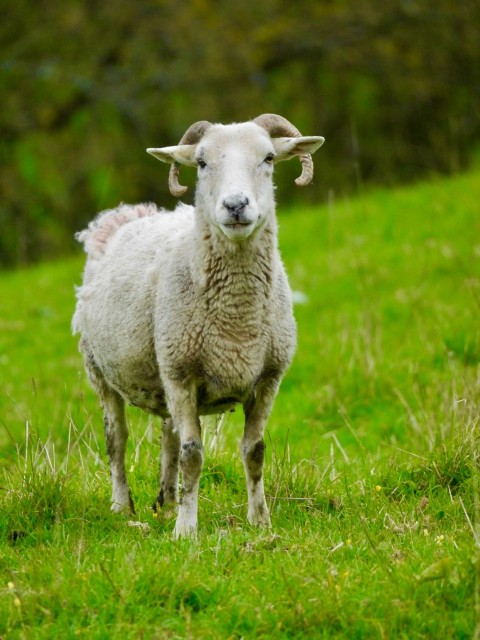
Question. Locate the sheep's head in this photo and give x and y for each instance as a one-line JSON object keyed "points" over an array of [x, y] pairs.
{"points": [[235, 168]]}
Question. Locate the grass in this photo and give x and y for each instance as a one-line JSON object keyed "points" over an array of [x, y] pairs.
{"points": [[372, 461]]}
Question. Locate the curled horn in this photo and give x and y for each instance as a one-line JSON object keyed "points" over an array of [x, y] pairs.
{"points": [[191, 135], [278, 126]]}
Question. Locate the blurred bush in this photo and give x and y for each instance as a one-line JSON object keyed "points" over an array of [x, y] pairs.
{"points": [[87, 85]]}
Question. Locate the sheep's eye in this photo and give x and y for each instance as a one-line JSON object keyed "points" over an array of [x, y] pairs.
{"points": [[201, 163], [269, 158]]}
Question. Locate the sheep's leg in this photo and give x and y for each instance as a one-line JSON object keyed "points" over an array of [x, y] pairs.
{"points": [[116, 435], [257, 409], [182, 404], [169, 460]]}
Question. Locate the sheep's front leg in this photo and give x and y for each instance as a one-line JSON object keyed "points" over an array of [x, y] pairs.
{"points": [[182, 404], [116, 435], [257, 410], [169, 460]]}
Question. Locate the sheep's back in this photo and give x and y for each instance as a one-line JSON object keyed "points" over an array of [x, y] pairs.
{"points": [[114, 313]]}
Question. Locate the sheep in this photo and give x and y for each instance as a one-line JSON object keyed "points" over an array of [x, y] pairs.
{"points": [[189, 313]]}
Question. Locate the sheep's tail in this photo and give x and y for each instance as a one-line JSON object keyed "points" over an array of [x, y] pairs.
{"points": [[96, 236]]}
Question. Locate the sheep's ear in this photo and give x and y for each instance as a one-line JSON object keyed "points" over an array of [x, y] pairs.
{"points": [[180, 154], [286, 148]]}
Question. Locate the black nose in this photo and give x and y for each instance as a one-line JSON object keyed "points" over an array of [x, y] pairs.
{"points": [[236, 205]]}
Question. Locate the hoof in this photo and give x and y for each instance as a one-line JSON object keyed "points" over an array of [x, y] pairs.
{"points": [[166, 502], [184, 531], [186, 524], [260, 517], [123, 505], [116, 507], [157, 504]]}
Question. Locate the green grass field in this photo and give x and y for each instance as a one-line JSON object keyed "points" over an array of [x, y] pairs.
{"points": [[372, 471]]}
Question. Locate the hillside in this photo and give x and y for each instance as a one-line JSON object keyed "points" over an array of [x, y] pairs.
{"points": [[373, 460]]}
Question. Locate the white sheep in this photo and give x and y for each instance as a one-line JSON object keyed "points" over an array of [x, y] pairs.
{"points": [[188, 313]]}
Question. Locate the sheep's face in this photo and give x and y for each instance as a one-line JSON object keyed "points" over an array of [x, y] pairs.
{"points": [[235, 187], [235, 174]]}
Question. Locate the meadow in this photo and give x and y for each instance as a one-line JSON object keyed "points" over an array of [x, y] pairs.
{"points": [[373, 465]]}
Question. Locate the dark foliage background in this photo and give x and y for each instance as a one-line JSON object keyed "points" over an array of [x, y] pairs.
{"points": [[87, 85]]}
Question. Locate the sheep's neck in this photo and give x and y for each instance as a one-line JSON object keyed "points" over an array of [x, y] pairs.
{"points": [[244, 269]]}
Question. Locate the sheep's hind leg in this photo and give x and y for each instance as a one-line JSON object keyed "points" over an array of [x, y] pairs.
{"points": [[257, 409], [116, 435], [169, 461], [116, 432]]}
